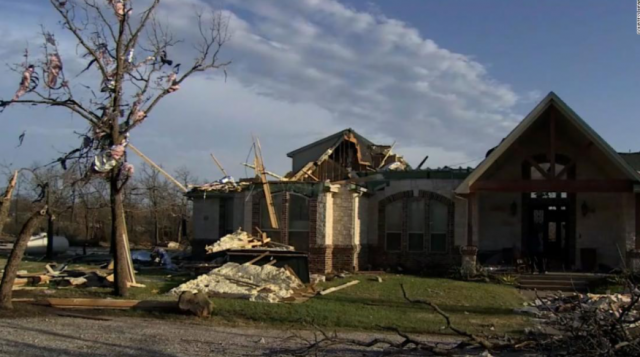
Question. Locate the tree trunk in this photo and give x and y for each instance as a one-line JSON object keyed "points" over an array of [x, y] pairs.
{"points": [[156, 230], [11, 269], [118, 235], [49, 225], [5, 201]]}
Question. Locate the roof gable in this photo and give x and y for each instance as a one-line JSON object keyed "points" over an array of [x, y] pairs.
{"points": [[331, 140], [528, 121]]}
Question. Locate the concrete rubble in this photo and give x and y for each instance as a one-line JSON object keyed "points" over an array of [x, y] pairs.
{"points": [[255, 283]]}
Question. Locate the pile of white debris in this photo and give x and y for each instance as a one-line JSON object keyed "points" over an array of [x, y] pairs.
{"points": [[255, 283], [243, 240]]}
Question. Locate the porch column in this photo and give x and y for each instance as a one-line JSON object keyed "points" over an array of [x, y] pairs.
{"points": [[470, 217], [633, 255], [469, 252]]}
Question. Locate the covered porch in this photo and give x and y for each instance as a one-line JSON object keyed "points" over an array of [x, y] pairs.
{"points": [[554, 187]]}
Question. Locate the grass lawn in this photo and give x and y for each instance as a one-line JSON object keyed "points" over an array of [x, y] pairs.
{"points": [[368, 305]]}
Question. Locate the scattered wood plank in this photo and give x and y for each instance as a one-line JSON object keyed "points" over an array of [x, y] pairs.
{"points": [[339, 287], [256, 258], [272, 262], [82, 316], [113, 304], [288, 268]]}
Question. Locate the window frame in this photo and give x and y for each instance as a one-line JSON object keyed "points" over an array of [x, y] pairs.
{"points": [[404, 198], [387, 232]]}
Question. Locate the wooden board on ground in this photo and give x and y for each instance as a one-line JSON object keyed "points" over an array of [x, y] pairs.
{"points": [[339, 287], [113, 304]]}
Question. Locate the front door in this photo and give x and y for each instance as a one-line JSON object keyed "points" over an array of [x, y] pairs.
{"points": [[550, 222]]}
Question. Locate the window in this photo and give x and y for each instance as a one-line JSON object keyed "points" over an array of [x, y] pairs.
{"points": [[408, 227], [299, 222], [265, 223], [415, 225], [393, 224], [438, 215]]}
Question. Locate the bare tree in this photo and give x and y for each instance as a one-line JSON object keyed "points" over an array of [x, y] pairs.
{"points": [[5, 200], [128, 50], [11, 269]]}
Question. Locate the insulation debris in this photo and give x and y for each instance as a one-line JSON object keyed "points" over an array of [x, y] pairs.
{"points": [[225, 184], [254, 283], [242, 240]]}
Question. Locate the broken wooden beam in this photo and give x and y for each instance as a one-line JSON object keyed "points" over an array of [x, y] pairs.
{"points": [[281, 178], [112, 304], [339, 287], [273, 218], [256, 258], [155, 166], [224, 172]]}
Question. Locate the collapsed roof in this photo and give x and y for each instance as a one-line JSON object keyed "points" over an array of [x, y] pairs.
{"points": [[341, 156]]}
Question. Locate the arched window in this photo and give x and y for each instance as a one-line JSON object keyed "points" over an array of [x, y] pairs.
{"points": [[299, 222], [416, 224]]}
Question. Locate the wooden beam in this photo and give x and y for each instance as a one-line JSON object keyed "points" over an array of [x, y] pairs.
{"points": [[155, 166], [532, 162], [422, 162], [219, 165], [265, 185], [553, 186], [387, 155], [339, 287], [281, 178], [565, 169], [552, 142]]}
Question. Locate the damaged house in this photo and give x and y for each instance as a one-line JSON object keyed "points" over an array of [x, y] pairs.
{"points": [[355, 205]]}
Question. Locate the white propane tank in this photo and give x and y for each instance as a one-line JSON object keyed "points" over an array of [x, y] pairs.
{"points": [[38, 244]]}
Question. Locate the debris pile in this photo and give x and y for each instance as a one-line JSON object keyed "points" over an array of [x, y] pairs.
{"points": [[559, 305], [587, 324], [243, 240], [256, 283], [225, 184], [63, 277]]}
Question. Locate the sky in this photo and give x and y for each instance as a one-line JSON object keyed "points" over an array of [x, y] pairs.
{"points": [[448, 79]]}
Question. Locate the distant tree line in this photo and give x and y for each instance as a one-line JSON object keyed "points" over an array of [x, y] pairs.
{"points": [[156, 211]]}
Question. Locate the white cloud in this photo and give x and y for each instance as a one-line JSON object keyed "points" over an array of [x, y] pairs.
{"points": [[303, 69]]}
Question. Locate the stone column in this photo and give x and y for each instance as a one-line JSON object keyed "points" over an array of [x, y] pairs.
{"points": [[633, 255], [470, 252]]}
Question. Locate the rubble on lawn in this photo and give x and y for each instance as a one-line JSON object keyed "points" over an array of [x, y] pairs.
{"points": [[551, 306], [586, 324], [63, 277], [243, 240], [255, 283]]}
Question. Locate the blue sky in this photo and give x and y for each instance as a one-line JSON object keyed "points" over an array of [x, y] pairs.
{"points": [[587, 51], [444, 78]]}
